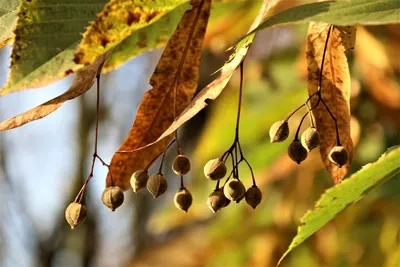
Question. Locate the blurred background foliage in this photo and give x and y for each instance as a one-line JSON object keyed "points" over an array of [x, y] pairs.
{"points": [[44, 164]]}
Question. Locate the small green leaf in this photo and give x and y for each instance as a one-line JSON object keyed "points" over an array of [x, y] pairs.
{"points": [[46, 35], [8, 19], [352, 12], [118, 20], [337, 198]]}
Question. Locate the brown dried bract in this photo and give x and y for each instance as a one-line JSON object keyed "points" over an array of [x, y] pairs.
{"points": [[178, 69], [335, 88]]}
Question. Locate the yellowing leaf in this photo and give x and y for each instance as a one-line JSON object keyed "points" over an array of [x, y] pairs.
{"points": [[117, 21], [214, 89], [177, 71], [82, 82], [8, 19], [46, 35], [335, 88]]}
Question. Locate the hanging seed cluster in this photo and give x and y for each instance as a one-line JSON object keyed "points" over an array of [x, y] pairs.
{"points": [[157, 184], [310, 138]]}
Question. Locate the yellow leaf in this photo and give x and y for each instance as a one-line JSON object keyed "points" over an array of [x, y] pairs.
{"points": [[335, 88], [176, 72]]}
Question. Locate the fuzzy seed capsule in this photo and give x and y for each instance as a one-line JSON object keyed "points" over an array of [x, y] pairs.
{"points": [[181, 165], [157, 185], [253, 196], [183, 199], [112, 197], [217, 201], [139, 180], [234, 190], [310, 139], [279, 131], [338, 156], [215, 169], [297, 152], [75, 214]]}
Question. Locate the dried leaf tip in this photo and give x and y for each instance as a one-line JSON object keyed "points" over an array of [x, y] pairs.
{"points": [[75, 214], [279, 131]]}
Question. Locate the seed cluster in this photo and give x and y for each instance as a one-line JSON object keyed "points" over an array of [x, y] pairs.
{"points": [[157, 184]]}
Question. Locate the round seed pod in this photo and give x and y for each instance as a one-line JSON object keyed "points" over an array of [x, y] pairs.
{"points": [[157, 185], [279, 131], [112, 197], [215, 169], [139, 180], [297, 152], [338, 156], [253, 196], [183, 199], [234, 190], [217, 201], [310, 139], [181, 165], [75, 214]]}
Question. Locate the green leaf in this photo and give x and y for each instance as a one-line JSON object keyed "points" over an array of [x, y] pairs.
{"points": [[352, 12], [46, 35], [337, 198], [8, 19], [118, 20]]}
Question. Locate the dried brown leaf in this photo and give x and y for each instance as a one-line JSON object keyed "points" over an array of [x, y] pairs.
{"points": [[214, 89], [178, 69], [335, 88], [82, 82]]}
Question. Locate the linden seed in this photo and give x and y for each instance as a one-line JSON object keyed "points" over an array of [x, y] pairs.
{"points": [[215, 169], [279, 131], [297, 152], [157, 185], [183, 199], [181, 165], [253, 196], [112, 197], [234, 190], [139, 180], [310, 139], [217, 201], [75, 214], [338, 156]]}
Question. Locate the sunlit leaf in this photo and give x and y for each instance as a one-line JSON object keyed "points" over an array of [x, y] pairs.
{"points": [[46, 35], [117, 21], [339, 197], [354, 12]]}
